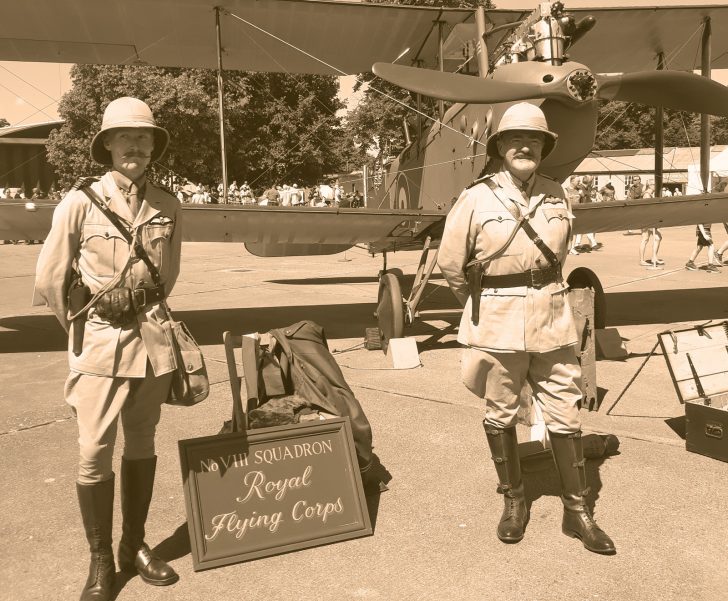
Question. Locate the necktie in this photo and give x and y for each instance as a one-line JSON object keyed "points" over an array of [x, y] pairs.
{"points": [[133, 199]]}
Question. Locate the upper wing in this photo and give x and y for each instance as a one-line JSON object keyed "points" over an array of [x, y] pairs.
{"points": [[630, 39], [346, 37]]}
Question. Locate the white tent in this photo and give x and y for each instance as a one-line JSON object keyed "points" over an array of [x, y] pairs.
{"points": [[718, 173]]}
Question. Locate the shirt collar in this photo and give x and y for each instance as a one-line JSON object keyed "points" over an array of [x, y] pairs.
{"points": [[524, 187], [124, 183]]}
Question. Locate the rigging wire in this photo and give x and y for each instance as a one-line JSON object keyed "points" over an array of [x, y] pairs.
{"points": [[670, 56], [342, 73]]}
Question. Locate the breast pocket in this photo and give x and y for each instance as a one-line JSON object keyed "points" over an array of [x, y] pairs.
{"points": [[156, 238], [558, 227], [104, 248], [560, 213], [497, 227]]}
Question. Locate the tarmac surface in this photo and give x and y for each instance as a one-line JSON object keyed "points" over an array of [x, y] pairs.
{"points": [[434, 529]]}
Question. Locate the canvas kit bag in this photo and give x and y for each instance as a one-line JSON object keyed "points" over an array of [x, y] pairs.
{"points": [[190, 384]]}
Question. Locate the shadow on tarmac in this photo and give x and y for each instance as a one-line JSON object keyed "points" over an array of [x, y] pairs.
{"points": [[406, 280], [666, 306], [37, 333], [540, 479], [173, 547], [678, 425]]}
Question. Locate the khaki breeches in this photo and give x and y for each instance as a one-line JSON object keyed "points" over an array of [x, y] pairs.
{"points": [[98, 401], [498, 378]]}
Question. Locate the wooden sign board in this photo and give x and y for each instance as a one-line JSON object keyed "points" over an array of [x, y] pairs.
{"points": [[271, 491]]}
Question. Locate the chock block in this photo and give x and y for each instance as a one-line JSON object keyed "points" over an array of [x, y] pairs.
{"points": [[403, 353], [609, 344]]}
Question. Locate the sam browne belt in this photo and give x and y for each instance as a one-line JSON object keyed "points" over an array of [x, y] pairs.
{"points": [[533, 278], [147, 296], [121, 305]]}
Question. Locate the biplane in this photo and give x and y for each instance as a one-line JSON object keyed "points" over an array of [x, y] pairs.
{"points": [[474, 62]]}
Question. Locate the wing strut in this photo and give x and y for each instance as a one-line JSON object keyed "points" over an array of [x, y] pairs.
{"points": [[481, 48], [221, 104], [705, 119], [659, 135]]}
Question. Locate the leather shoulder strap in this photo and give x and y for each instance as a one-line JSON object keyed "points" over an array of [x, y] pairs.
{"points": [[527, 228], [133, 241]]}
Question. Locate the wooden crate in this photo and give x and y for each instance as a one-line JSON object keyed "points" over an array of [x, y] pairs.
{"points": [[698, 362]]}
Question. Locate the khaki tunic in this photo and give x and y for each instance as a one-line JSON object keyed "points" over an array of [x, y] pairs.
{"points": [[519, 318], [81, 232]]}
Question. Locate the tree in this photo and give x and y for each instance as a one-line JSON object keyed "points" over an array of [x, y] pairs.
{"points": [[277, 125], [628, 125], [4, 122]]}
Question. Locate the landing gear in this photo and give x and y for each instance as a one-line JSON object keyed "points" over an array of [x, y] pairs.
{"points": [[390, 307], [393, 310]]}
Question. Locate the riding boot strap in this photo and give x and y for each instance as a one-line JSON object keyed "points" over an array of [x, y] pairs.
{"points": [[578, 520], [504, 448]]}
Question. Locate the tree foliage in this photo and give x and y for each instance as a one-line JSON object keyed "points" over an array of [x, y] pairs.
{"points": [[627, 125], [278, 126], [4, 122]]}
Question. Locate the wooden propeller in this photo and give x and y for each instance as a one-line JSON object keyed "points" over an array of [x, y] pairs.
{"points": [[569, 82]]}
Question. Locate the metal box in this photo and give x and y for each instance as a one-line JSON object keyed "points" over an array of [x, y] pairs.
{"points": [[698, 362]]}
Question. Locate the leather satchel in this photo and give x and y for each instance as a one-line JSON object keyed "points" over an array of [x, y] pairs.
{"points": [[190, 384]]}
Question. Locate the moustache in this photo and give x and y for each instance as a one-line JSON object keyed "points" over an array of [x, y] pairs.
{"points": [[137, 155]]}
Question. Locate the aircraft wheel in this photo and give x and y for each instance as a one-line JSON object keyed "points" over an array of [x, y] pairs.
{"points": [[583, 277], [390, 309]]}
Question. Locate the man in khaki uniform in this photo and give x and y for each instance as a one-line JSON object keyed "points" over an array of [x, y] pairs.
{"points": [[125, 365], [521, 328]]}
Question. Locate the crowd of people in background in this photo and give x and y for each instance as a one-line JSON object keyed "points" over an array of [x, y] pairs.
{"points": [[328, 193], [36, 194], [583, 189]]}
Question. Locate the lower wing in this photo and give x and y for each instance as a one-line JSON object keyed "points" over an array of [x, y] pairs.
{"points": [[285, 231]]}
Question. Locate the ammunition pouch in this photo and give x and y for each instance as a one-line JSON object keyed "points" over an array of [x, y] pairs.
{"points": [[120, 306]]}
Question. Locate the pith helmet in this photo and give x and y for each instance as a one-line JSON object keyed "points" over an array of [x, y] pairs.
{"points": [[522, 116], [127, 112]]}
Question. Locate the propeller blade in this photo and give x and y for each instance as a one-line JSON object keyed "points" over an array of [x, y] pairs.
{"points": [[455, 87], [671, 89]]}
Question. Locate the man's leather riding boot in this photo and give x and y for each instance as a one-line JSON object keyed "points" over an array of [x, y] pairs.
{"points": [[578, 521], [137, 483], [96, 502], [504, 448]]}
